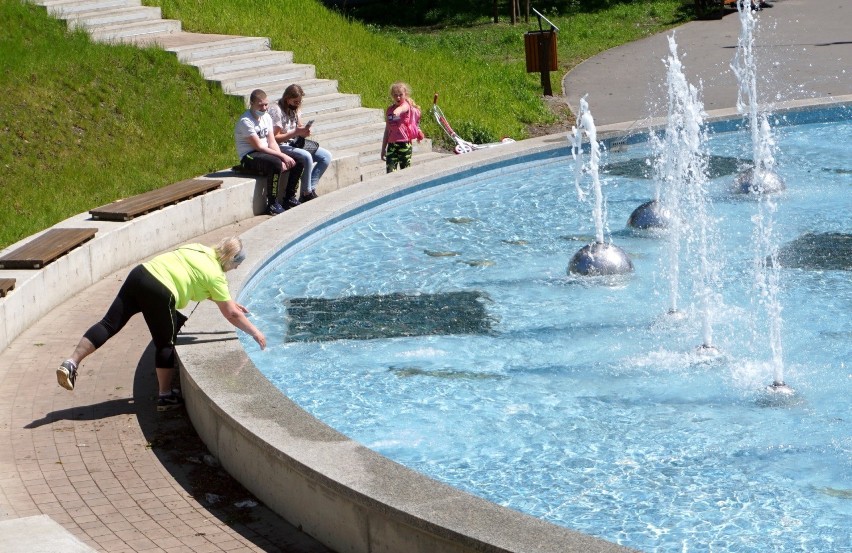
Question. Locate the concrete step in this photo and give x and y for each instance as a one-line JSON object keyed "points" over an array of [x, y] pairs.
{"points": [[254, 78], [361, 152], [424, 146], [127, 32], [62, 8], [191, 48], [316, 105], [352, 138], [315, 88], [213, 67], [333, 121], [369, 152], [376, 167], [99, 18]]}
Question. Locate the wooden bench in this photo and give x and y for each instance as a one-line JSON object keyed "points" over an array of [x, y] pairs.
{"points": [[134, 206], [52, 244], [6, 284]]}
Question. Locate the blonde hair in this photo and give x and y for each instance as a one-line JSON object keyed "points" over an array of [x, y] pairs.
{"points": [[226, 250], [406, 92]]}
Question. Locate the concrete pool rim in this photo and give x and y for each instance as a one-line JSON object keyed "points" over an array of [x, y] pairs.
{"points": [[336, 490]]}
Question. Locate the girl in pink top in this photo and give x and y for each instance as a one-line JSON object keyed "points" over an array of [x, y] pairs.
{"points": [[401, 128]]}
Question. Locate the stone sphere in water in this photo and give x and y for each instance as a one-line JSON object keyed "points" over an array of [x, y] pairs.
{"points": [[650, 215], [600, 259], [758, 181]]}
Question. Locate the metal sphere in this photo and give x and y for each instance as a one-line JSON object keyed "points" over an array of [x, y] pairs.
{"points": [[599, 259], [758, 181], [650, 215]]}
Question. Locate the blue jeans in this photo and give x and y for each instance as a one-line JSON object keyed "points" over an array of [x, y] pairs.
{"points": [[315, 165]]}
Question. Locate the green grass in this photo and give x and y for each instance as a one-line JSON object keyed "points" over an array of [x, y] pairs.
{"points": [[366, 62], [83, 124], [478, 69]]}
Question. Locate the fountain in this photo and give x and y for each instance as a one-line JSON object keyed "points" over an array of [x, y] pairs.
{"points": [[684, 171], [767, 284], [598, 258], [681, 172], [572, 403], [565, 400], [650, 215], [761, 180], [761, 177]]}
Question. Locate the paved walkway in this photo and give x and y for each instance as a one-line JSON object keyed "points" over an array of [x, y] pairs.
{"points": [[803, 50], [101, 461], [120, 477]]}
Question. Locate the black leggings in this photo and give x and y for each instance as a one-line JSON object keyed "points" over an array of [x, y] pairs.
{"points": [[142, 292]]}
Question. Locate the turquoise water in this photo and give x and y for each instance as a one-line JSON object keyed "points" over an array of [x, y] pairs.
{"points": [[585, 404]]}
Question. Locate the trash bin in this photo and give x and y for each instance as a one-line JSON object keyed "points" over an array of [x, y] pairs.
{"points": [[538, 44]]}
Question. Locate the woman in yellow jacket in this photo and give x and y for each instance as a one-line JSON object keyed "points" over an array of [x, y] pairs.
{"points": [[158, 288]]}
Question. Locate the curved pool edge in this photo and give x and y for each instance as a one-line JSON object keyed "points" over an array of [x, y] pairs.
{"points": [[345, 495], [333, 488]]}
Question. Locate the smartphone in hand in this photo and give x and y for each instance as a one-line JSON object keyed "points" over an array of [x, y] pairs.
{"points": [[309, 123]]}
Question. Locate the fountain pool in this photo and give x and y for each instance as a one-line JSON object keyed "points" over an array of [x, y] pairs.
{"points": [[441, 330]]}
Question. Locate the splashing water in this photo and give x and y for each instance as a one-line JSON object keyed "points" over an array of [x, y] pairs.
{"points": [[766, 269], [586, 126], [767, 282], [745, 70], [682, 167]]}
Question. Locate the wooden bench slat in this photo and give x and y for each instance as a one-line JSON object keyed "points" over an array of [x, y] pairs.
{"points": [[47, 247], [6, 284], [134, 206]]}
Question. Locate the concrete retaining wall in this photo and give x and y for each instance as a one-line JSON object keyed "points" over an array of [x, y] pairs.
{"points": [[120, 244], [117, 245]]}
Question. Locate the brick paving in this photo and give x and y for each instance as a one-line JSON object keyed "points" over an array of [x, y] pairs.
{"points": [[90, 458]]}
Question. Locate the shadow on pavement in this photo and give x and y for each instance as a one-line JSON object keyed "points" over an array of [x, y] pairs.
{"points": [[172, 438]]}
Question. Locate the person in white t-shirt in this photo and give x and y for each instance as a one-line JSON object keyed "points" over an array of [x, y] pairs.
{"points": [[259, 152], [287, 122]]}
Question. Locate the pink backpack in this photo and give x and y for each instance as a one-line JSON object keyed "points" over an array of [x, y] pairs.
{"points": [[412, 126]]}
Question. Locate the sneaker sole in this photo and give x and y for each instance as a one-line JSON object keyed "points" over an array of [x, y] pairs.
{"points": [[63, 377], [162, 408]]}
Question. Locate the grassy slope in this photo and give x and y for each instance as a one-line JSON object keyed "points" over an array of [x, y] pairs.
{"points": [[478, 70], [82, 124], [366, 62]]}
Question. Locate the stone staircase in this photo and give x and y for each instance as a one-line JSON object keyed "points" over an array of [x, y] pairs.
{"points": [[241, 64]]}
